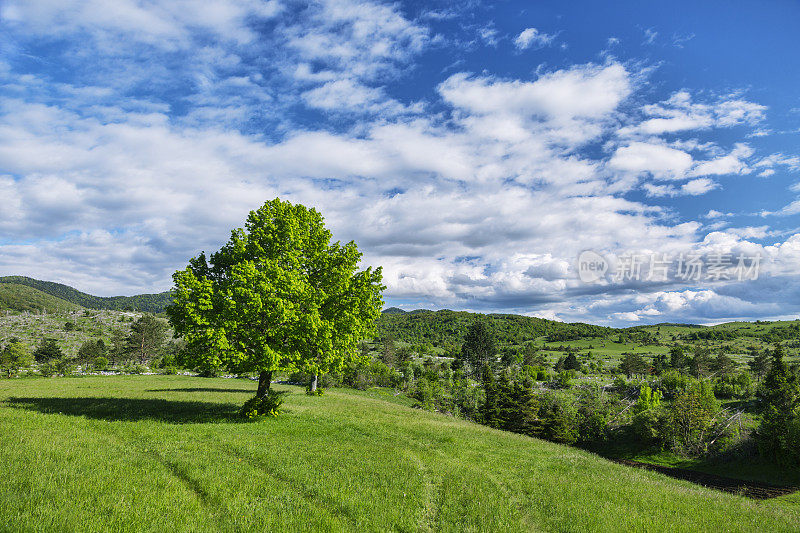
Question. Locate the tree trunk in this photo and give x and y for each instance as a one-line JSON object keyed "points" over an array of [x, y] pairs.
{"points": [[264, 380], [314, 383]]}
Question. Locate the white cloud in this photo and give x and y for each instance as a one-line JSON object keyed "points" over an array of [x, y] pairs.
{"points": [[532, 37], [658, 160], [480, 195]]}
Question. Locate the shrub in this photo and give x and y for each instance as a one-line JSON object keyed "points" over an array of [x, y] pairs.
{"points": [[65, 366], [263, 406], [100, 363], [651, 426], [48, 369], [318, 392], [559, 418]]}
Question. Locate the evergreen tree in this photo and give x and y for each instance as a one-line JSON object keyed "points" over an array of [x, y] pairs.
{"points": [[571, 362], [147, 336], [633, 363], [677, 358], [723, 364], [780, 400], [479, 348], [760, 363], [48, 350]]}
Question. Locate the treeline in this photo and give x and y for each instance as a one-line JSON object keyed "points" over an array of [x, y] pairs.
{"points": [[771, 336], [148, 303], [445, 329]]}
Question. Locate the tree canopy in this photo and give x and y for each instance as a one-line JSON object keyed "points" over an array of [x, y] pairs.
{"points": [[279, 295]]}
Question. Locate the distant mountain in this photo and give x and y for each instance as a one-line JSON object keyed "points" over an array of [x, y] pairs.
{"points": [[150, 303], [393, 311], [21, 298]]}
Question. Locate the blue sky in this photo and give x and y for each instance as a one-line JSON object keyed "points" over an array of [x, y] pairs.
{"points": [[474, 150]]}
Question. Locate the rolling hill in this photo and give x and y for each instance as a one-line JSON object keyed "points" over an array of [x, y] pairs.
{"points": [[165, 453], [149, 303], [22, 298]]}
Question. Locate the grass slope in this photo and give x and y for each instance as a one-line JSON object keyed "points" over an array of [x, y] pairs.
{"points": [[163, 453], [149, 303], [21, 298]]}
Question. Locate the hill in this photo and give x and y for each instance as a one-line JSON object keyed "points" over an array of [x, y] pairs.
{"points": [[22, 298], [447, 328], [149, 303], [163, 453]]}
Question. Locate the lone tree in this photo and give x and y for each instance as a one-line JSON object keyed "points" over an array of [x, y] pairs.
{"points": [[279, 295]]}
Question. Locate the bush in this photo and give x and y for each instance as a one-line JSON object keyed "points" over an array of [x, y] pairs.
{"points": [[100, 363], [559, 419], [171, 370], [264, 406], [48, 369], [651, 426], [65, 367]]}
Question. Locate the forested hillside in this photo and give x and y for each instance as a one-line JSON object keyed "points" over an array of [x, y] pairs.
{"points": [[150, 303], [446, 328], [21, 298]]}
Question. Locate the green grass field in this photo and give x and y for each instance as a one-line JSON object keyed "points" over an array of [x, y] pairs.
{"points": [[165, 453]]}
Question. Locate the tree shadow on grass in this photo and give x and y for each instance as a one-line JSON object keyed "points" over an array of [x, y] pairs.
{"points": [[131, 409], [204, 389]]}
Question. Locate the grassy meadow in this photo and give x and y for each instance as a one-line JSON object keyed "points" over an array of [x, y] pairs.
{"points": [[166, 453]]}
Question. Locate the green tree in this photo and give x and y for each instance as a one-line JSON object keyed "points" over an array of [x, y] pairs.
{"points": [[48, 350], [91, 350], [146, 338], [701, 364], [633, 363], [14, 357], [480, 347], [723, 364], [693, 418], [677, 358], [278, 295], [780, 400], [571, 362], [760, 363]]}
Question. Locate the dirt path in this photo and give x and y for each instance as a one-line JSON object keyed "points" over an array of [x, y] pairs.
{"points": [[750, 489]]}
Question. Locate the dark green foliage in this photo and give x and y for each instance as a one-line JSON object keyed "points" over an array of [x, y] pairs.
{"points": [[571, 362], [677, 358], [91, 350], [146, 338], [723, 364], [510, 404], [701, 365], [693, 419], [558, 417], [48, 350], [149, 303], [760, 363], [445, 327], [480, 347], [633, 363], [21, 298], [780, 400]]}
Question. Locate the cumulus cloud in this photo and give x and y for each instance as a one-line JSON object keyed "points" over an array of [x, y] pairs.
{"points": [[479, 194], [532, 37]]}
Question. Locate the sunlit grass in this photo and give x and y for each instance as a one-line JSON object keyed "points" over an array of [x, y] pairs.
{"points": [[165, 453]]}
